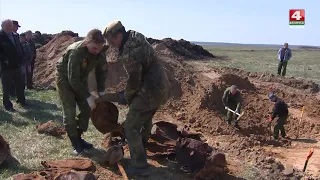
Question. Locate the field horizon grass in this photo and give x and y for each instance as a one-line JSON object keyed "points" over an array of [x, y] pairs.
{"points": [[29, 148], [305, 63]]}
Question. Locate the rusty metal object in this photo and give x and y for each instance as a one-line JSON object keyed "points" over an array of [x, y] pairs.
{"points": [[4, 150], [75, 175], [105, 118]]}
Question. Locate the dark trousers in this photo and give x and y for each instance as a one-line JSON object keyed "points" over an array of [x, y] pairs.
{"points": [[8, 78], [282, 66], [280, 127], [29, 74]]}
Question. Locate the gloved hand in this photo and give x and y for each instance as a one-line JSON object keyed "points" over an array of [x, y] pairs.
{"points": [[121, 98], [91, 102], [226, 107], [94, 94], [101, 93], [237, 111]]}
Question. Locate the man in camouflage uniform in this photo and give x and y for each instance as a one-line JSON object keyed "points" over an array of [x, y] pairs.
{"points": [[71, 78], [146, 89], [232, 99]]}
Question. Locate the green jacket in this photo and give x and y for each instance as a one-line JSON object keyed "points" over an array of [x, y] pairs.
{"points": [[228, 98], [146, 74], [74, 66]]}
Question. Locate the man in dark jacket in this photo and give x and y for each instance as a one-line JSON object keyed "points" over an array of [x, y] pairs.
{"points": [[280, 110], [10, 65], [33, 54], [284, 55], [19, 48]]}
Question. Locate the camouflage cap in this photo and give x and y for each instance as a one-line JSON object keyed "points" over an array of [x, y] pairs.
{"points": [[112, 27]]}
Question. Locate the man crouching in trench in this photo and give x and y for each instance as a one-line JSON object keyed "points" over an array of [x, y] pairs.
{"points": [[71, 77], [146, 89]]}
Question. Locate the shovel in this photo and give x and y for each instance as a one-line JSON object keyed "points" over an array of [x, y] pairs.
{"points": [[239, 115]]}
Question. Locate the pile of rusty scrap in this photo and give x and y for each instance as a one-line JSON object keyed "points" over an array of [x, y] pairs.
{"points": [[191, 153], [167, 140], [78, 168]]}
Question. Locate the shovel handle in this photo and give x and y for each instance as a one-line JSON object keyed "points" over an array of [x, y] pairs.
{"points": [[122, 171]]}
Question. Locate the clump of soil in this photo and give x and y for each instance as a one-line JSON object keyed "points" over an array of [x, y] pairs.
{"points": [[51, 128]]}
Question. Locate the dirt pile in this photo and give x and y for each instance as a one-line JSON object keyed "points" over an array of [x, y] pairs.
{"points": [[181, 48], [50, 53], [42, 39], [307, 85], [47, 57]]}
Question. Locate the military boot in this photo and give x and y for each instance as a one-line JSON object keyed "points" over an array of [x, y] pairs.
{"points": [[83, 143], [77, 147]]}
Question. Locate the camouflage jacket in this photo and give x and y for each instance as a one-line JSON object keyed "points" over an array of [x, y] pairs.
{"points": [[228, 98], [75, 65], [146, 74]]}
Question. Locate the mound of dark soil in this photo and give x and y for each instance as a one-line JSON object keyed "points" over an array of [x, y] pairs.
{"points": [[183, 48]]}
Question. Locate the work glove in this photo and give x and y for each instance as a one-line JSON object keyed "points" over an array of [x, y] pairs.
{"points": [[91, 102], [101, 93], [237, 111], [121, 99], [226, 107], [94, 94]]}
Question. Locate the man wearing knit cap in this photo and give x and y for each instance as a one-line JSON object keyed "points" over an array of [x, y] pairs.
{"points": [[280, 110], [146, 89]]}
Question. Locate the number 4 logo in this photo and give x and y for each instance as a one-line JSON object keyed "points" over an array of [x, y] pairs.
{"points": [[296, 15]]}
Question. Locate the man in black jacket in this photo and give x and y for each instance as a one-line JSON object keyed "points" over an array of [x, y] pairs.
{"points": [[10, 59], [33, 55], [281, 111]]}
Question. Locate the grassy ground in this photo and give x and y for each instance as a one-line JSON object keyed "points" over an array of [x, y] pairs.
{"points": [[29, 148], [304, 63]]}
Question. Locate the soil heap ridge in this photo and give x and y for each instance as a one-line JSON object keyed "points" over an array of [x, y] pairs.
{"points": [[49, 54]]}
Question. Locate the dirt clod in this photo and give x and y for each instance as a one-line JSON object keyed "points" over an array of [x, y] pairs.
{"points": [[51, 128]]}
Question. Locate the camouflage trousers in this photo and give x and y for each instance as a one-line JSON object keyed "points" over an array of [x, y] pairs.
{"points": [[137, 129], [230, 115], [70, 101]]}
